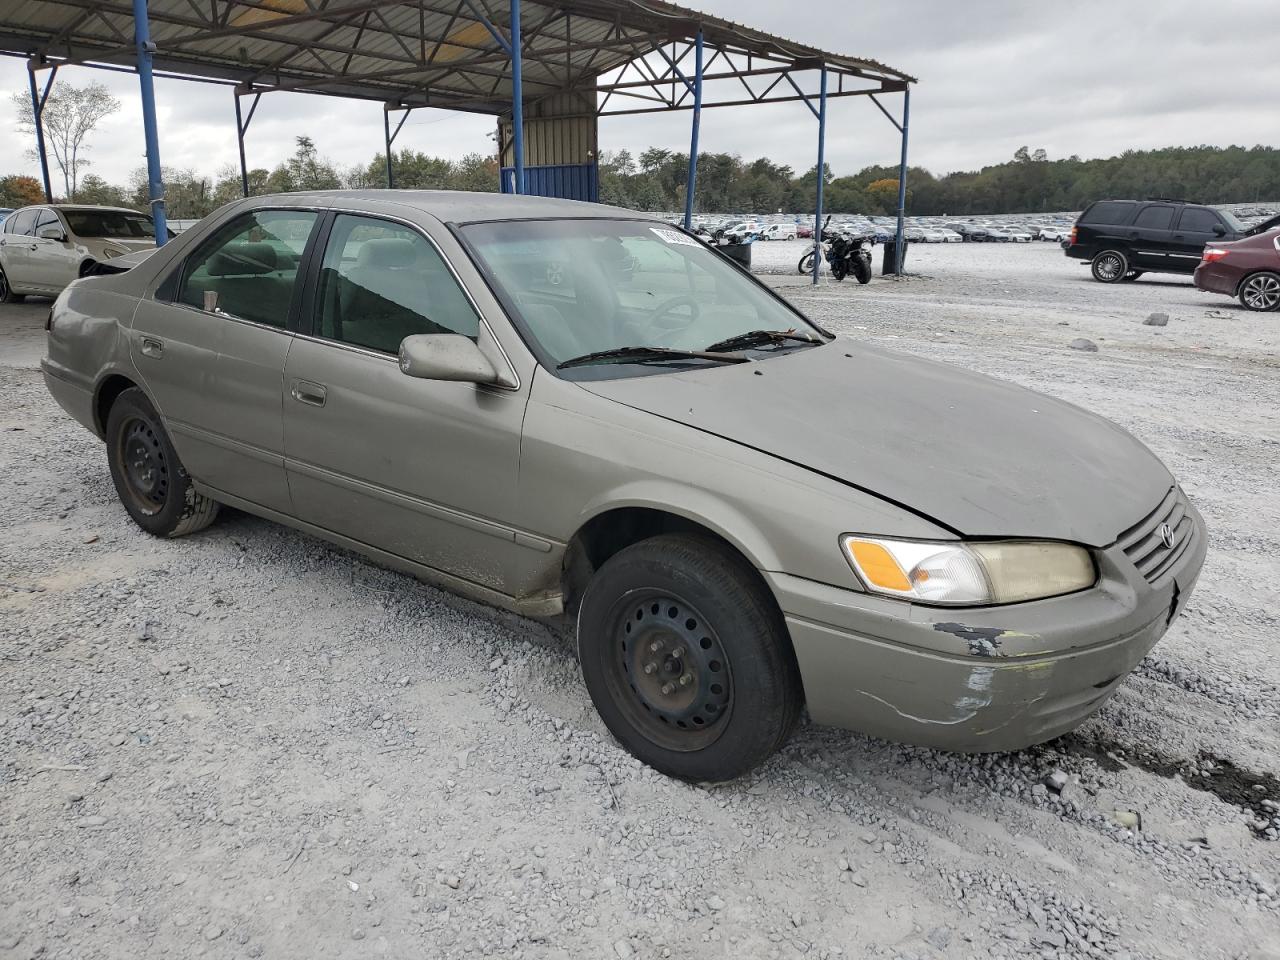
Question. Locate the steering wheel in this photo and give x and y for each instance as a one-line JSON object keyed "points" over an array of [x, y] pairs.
{"points": [[661, 311]]}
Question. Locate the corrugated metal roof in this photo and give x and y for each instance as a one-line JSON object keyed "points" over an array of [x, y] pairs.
{"points": [[412, 52]]}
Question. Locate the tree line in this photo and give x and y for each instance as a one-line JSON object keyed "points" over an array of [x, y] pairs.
{"points": [[656, 179]]}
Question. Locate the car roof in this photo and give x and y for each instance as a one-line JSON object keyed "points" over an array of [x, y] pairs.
{"points": [[463, 206], [87, 206]]}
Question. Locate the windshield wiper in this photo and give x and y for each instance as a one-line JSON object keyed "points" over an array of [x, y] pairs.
{"points": [[758, 338], [647, 355]]}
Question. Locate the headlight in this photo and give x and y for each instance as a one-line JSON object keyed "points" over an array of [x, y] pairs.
{"points": [[952, 573]]}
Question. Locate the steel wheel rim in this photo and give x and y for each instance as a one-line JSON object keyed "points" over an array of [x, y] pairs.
{"points": [[667, 670], [143, 465], [1109, 266], [1262, 293]]}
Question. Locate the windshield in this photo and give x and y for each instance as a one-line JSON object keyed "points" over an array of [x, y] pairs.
{"points": [[116, 224], [584, 286]]}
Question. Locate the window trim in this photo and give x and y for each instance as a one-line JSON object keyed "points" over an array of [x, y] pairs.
{"points": [[309, 321], [295, 301]]}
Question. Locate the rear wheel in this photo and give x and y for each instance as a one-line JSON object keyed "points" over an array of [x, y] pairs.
{"points": [[1261, 292], [1110, 266], [862, 269], [6, 292], [687, 659], [148, 476], [1133, 275]]}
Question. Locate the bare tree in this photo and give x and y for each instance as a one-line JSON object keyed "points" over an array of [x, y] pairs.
{"points": [[69, 116]]}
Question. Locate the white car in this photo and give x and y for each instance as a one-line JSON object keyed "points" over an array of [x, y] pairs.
{"points": [[779, 231], [1052, 233], [950, 236], [937, 235], [43, 248], [1018, 234]]}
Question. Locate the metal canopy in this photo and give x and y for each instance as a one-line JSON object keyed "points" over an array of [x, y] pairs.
{"points": [[452, 54]]}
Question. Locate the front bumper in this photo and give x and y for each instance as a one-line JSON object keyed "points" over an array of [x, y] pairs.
{"points": [[978, 679]]}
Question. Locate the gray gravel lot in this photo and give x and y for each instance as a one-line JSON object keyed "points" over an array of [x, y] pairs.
{"points": [[249, 743]]}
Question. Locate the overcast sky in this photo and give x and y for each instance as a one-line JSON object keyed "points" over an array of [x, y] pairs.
{"points": [[1089, 77]]}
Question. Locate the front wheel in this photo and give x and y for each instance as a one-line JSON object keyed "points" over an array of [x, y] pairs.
{"points": [[806, 264], [148, 476], [687, 658], [1261, 292], [862, 269], [1110, 266], [6, 292]]}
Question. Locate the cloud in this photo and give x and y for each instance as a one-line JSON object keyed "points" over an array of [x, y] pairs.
{"points": [[1088, 77]]}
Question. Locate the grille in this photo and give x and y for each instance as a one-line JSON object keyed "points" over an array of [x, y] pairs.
{"points": [[1143, 544]]}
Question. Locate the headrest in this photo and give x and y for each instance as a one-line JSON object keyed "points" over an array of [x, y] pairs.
{"points": [[239, 259], [388, 252]]}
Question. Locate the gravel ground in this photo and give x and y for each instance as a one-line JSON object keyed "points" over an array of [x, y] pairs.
{"points": [[249, 743]]}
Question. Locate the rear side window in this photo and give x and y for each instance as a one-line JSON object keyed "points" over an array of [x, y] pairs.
{"points": [[249, 268], [1155, 217], [1109, 211], [1198, 220], [23, 222]]}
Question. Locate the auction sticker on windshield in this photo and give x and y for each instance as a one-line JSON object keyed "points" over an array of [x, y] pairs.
{"points": [[676, 238]]}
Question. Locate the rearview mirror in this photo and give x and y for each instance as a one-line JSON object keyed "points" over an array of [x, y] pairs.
{"points": [[1219, 230], [445, 356], [51, 231]]}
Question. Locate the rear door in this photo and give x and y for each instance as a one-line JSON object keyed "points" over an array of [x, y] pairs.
{"points": [[1195, 227], [1151, 237], [211, 349], [423, 469]]}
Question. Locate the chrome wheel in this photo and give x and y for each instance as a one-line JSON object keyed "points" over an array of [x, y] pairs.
{"points": [[1261, 292], [669, 671], [1109, 267]]}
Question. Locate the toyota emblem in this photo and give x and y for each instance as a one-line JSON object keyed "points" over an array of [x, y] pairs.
{"points": [[1166, 535]]}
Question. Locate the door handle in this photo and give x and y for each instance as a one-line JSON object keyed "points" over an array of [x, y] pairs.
{"points": [[151, 347], [304, 391]]}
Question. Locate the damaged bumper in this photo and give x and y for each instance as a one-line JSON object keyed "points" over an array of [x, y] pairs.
{"points": [[979, 679]]}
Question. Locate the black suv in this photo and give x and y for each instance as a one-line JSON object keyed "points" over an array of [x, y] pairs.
{"points": [[1123, 239]]}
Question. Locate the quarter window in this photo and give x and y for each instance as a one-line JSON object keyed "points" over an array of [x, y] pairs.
{"points": [[249, 268], [1155, 218], [1108, 212], [381, 282], [1198, 220]]}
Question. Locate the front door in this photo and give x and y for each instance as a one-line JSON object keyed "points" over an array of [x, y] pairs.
{"points": [[54, 263], [426, 470], [212, 353], [1196, 226]]}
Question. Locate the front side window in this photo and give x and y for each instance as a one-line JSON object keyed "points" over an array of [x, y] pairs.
{"points": [[249, 268], [585, 286], [47, 218], [382, 281], [1155, 218], [1198, 220]]}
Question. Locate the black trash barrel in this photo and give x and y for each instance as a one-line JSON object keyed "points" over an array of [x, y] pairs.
{"points": [[889, 264], [741, 252]]}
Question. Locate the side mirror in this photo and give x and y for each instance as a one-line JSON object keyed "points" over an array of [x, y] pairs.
{"points": [[1219, 230], [51, 232], [445, 356]]}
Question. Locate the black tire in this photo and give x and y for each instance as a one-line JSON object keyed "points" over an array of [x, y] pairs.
{"points": [[838, 269], [682, 605], [86, 267], [149, 477], [1261, 292], [1109, 266], [6, 292], [1133, 275], [862, 269], [806, 264]]}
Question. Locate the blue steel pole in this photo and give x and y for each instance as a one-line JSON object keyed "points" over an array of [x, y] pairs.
{"points": [[822, 162], [692, 185], [517, 96], [902, 183], [37, 114], [155, 179]]}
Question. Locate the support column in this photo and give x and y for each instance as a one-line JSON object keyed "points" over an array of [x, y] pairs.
{"points": [[244, 168], [37, 114], [822, 162], [902, 181], [517, 95], [692, 185], [386, 137], [155, 179]]}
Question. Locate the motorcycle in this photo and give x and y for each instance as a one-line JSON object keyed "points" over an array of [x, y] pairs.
{"points": [[846, 253]]}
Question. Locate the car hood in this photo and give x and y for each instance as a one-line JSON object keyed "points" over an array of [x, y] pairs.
{"points": [[1263, 227], [981, 456]]}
